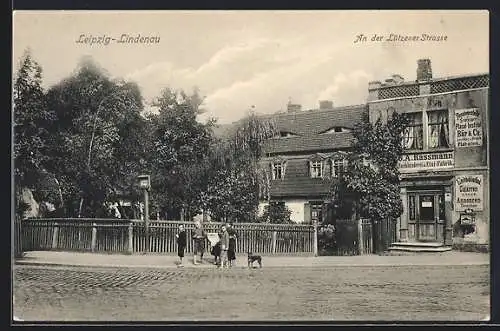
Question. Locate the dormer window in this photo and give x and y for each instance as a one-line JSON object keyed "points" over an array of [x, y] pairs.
{"points": [[316, 169], [278, 169], [285, 134], [336, 129]]}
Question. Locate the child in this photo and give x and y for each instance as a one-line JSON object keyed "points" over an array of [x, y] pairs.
{"points": [[231, 252], [181, 243], [199, 241], [216, 252], [224, 244]]}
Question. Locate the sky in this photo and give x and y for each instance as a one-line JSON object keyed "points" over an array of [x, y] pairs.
{"points": [[259, 60]]}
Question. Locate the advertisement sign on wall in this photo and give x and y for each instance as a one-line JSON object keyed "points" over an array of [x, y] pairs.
{"points": [[469, 192], [426, 161], [468, 127]]}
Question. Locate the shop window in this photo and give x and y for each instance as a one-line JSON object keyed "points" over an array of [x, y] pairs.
{"points": [[316, 169], [413, 136], [338, 167], [438, 130]]}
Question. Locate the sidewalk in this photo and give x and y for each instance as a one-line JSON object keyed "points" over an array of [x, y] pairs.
{"points": [[169, 261]]}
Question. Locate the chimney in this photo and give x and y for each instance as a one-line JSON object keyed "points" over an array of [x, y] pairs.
{"points": [[373, 88], [398, 79], [325, 104], [374, 85], [293, 107], [389, 82], [424, 70]]}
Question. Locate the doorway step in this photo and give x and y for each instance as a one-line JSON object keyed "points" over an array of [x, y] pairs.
{"points": [[418, 247]]}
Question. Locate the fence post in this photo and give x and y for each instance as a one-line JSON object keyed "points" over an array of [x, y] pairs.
{"points": [[315, 239], [55, 234], [274, 242], [372, 233], [94, 236], [130, 238], [360, 237]]}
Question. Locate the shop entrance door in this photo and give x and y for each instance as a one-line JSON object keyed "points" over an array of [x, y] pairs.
{"points": [[426, 216]]}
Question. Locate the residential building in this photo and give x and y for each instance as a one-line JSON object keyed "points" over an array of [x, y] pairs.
{"points": [[310, 149], [445, 167]]}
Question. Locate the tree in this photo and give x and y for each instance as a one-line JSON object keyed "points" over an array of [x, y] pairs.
{"points": [[179, 151], [96, 141], [31, 121], [276, 213], [372, 179], [237, 185]]}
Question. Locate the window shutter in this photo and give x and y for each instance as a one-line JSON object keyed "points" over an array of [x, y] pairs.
{"points": [[307, 213]]}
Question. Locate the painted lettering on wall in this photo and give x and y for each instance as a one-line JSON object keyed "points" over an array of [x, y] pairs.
{"points": [[468, 127], [426, 161], [468, 192]]}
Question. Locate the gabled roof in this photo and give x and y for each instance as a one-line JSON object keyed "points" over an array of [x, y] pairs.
{"points": [[311, 125], [311, 122], [340, 140]]}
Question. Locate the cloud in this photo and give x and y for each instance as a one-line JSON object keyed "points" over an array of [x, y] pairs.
{"points": [[233, 54], [231, 63], [268, 90], [346, 87]]}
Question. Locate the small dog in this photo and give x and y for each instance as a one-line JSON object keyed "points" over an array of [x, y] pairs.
{"points": [[252, 258]]}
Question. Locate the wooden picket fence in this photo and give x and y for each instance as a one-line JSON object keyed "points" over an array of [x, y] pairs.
{"points": [[352, 237], [128, 236], [17, 239]]}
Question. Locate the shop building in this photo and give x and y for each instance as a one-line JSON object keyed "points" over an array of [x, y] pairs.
{"points": [[445, 167]]}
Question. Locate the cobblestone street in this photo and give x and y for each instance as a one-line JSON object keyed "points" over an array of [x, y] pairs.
{"points": [[62, 293]]}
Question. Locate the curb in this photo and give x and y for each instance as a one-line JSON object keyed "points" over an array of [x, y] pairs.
{"points": [[211, 266]]}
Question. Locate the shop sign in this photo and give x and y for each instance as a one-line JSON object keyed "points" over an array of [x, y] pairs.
{"points": [[468, 128], [469, 193], [426, 161], [213, 238]]}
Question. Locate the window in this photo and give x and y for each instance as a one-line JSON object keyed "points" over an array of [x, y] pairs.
{"points": [[411, 207], [339, 166], [284, 134], [316, 169], [442, 215], [316, 211], [438, 132], [336, 129], [278, 170], [413, 137]]}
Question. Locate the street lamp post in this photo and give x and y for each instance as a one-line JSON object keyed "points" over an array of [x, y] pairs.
{"points": [[145, 184]]}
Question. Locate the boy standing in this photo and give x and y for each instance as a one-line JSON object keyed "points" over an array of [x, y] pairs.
{"points": [[181, 243], [199, 236], [224, 243]]}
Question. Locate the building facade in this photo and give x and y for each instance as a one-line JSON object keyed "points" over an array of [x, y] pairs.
{"points": [[445, 167], [309, 151]]}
